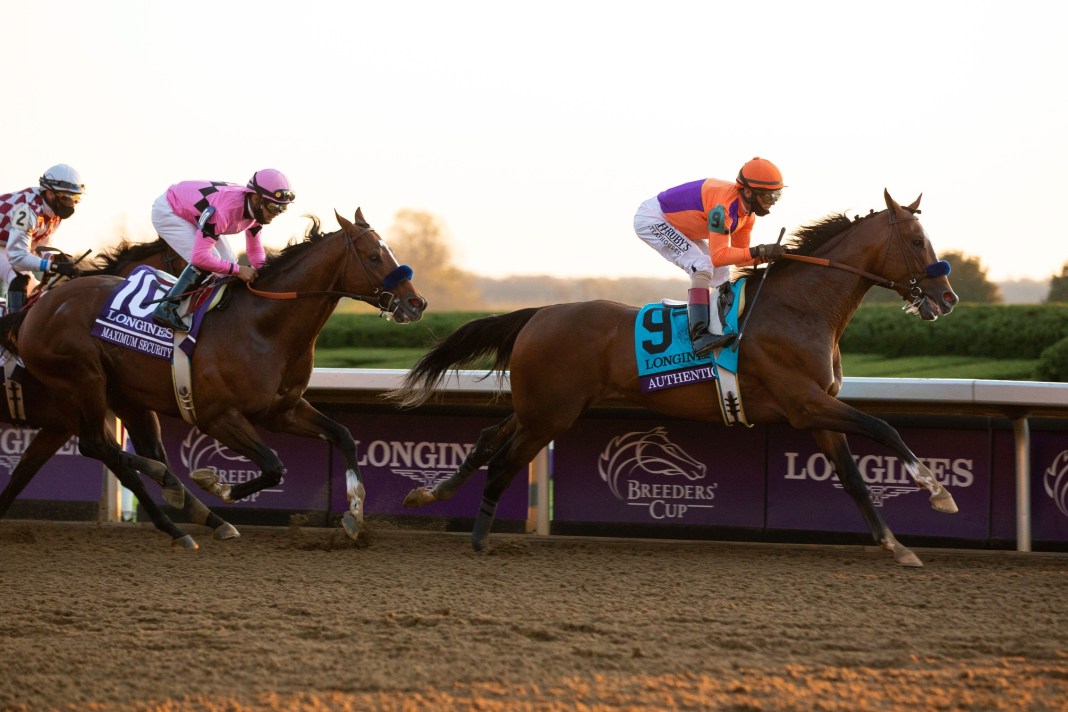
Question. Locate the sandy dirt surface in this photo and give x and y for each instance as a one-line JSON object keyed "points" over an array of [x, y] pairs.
{"points": [[110, 618]]}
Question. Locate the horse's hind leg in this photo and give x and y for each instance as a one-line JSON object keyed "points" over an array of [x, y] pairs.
{"points": [[43, 446], [516, 453], [489, 443], [95, 443], [143, 429], [835, 447]]}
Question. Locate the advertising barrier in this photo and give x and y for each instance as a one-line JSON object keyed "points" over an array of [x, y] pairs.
{"points": [[622, 470]]}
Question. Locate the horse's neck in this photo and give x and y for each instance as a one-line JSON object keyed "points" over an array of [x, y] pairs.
{"points": [[824, 298], [303, 317]]}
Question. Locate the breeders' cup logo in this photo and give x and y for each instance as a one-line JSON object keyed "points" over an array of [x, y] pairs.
{"points": [[1055, 480], [425, 463], [634, 455], [203, 451], [14, 441], [884, 474]]}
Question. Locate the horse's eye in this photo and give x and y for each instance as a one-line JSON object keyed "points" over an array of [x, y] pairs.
{"points": [[918, 243]]}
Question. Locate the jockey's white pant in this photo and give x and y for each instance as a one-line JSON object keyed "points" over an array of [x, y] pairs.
{"points": [[690, 255], [179, 233], [7, 273]]}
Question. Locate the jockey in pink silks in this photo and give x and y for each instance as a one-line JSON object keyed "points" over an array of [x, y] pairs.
{"points": [[194, 216]]}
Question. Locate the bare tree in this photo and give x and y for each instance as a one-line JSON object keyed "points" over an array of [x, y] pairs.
{"points": [[421, 240]]}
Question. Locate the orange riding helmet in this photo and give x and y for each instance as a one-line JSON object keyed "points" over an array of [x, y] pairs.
{"points": [[760, 174]]}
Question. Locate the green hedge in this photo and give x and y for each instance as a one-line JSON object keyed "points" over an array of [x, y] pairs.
{"points": [[986, 330], [345, 330]]}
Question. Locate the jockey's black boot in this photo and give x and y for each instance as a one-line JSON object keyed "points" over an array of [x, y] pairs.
{"points": [[16, 293], [166, 313], [697, 311]]}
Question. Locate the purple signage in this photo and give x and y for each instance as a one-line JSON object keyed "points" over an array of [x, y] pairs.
{"points": [[657, 472], [304, 487], [804, 492], [67, 477], [1049, 486], [399, 452]]}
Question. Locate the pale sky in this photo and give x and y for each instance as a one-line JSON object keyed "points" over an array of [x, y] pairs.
{"points": [[534, 130]]}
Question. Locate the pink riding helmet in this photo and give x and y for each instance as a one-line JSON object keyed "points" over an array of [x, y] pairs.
{"points": [[272, 185]]}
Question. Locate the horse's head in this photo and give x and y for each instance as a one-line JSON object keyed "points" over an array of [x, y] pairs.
{"points": [[912, 265], [387, 283]]}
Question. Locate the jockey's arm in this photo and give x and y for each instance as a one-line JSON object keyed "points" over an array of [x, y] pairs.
{"points": [[730, 249], [254, 247], [20, 240]]}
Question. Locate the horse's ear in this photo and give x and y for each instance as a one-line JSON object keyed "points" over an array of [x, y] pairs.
{"points": [[360, 219], [345, 224], [891, 204]]}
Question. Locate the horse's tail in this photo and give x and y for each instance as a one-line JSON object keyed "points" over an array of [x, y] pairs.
{"points": [[491, 336], [9, 330]]}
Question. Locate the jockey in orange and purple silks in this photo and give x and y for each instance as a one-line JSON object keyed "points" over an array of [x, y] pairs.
{"points": [[193, 217], [704, 228]]}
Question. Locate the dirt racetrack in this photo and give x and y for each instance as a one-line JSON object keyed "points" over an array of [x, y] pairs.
{"points": [[110, 618]]}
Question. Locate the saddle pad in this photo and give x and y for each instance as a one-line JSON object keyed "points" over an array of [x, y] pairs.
{"points": [[663, 350], [126, 317]]}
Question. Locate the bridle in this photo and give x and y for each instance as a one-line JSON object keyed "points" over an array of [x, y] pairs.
{"points": [[382, 298], [909, 289]]}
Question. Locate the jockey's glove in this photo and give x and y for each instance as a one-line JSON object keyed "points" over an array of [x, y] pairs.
{"points": [[768, 252]]}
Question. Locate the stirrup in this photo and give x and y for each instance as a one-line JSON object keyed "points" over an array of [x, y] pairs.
{"points": [[705, 346], [168, 316]]}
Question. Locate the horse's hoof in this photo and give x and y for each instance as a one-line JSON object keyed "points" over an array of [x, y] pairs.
{"points": [[185, 543], [174, 497], [226, 531], [205, 478], [943, 502], [352, 527], [907, 558], [419, 497], [479, 544]]}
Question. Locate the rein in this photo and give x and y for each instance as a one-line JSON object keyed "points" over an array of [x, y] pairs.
{"points": [[909, 292], [382, 298]]}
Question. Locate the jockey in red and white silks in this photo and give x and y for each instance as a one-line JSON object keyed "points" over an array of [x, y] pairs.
{"points": [[28, 219]]}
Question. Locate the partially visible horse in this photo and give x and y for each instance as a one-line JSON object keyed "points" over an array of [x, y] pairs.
{"points": [[566, 358], [45, 413], [251, 366]]}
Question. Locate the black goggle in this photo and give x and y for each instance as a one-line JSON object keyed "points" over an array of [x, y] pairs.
{"points": [[275, 208], [287, 196], [64, 185]]}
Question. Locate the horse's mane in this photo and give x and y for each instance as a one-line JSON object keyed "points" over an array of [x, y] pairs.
{"points": [[117, 258], [276, 262], [811, 237]]}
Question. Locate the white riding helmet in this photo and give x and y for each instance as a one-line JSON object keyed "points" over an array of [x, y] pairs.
{"points": [[63, 178]]}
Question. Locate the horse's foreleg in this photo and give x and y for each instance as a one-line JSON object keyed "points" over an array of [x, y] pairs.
{"points": [[489, 443], [828, 413], [304, 420], [835, 447], [43, 446]]}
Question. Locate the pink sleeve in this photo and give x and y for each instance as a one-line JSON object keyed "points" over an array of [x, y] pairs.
{"points": [[204, 259], [254, 249]]}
